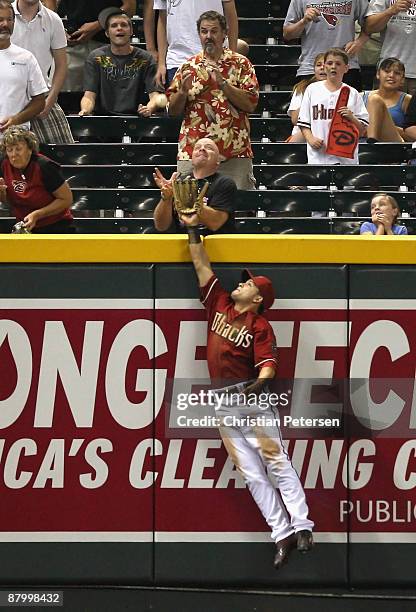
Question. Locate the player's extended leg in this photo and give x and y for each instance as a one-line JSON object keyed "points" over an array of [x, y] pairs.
{"points": [[267, 443], [248, 462], [270, 445]]}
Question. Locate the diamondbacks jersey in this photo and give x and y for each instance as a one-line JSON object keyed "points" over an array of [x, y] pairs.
{"points": [[33, 188], [238, 344], [316, 112]]}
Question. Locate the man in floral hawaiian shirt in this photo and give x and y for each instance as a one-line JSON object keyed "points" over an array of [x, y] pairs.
{"points": [[216, 90]]}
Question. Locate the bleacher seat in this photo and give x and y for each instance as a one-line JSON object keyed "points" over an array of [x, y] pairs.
{"points": [[164, 153], [254, 28], [279, 177], [274, 54], [375, 176], [115, 128], [292, 225], [269, 226], [259, 29], [160, 128], [141, 202], [281, 76], [302, 203], [97, 225], [264, 153], [166, 129], [347, 226], [276, 102], [352, 226], [131, 176], [268, 8]]}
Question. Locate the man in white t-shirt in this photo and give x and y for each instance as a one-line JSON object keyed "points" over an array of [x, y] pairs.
{"points": [[23, 86], [41, 31], [318, 106], [177, 33]]}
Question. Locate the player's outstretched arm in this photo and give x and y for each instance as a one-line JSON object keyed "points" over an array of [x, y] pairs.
{"points": [[198, 253]]}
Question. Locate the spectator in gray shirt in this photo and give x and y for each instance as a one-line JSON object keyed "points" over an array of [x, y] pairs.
{"points": [[117, 75], [321, 25], [397, 23]]}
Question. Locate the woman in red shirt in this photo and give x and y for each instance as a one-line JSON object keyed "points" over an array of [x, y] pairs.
{"points": [[34, 185]]}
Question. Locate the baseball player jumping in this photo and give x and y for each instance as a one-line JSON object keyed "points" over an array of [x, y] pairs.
{"points": [[241, 346]]}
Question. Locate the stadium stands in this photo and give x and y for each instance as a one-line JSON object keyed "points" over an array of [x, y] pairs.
{"points": [[264, 153], [110, 167], [293, 225], [256, 203], [161, 129], [271, 176]]}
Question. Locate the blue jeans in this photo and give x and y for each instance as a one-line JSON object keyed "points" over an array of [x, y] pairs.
{"points": [[169, 75]]}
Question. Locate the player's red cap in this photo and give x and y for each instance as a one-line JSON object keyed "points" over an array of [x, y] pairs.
{"points": [[263, 284]]}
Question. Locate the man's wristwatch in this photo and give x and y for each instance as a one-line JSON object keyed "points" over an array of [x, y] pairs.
{"points": [[223, 84]]}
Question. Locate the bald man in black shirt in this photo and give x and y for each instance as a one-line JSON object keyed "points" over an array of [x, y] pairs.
{"points": [[217, 213]]}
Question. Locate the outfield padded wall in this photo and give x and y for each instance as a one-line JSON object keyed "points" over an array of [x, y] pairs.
{"points": [[81, 451]]}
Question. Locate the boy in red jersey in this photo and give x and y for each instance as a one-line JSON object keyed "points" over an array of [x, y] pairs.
{"points": [[241, 346]]}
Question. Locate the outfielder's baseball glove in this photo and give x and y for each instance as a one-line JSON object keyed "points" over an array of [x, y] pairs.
{"points": [[187, 197]]}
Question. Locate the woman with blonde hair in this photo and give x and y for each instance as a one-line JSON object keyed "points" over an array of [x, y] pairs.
{"points": [[34, 185]]}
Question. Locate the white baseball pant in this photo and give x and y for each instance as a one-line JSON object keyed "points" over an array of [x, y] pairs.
{"points": [[255, 449]]}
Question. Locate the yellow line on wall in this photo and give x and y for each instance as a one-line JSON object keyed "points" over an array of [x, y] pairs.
{"points": [[313, 249], [100, 248], [108, 248]]}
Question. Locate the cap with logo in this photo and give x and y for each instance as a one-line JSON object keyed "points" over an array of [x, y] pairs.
{"points": [[263, 284]]}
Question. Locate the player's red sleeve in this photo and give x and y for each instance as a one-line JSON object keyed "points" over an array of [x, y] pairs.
{"points": [[212, 292], [265, 349]]}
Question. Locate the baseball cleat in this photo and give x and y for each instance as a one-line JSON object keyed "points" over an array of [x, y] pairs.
{"points": [[284, 548], [304, 540]]}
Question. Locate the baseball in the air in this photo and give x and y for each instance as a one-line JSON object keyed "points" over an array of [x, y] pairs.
{"points": [[161, 100]]}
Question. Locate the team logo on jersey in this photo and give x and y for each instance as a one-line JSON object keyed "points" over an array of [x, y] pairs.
{"points": [[319, 111], [240, 336], [19, 186], [332, 11]]}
